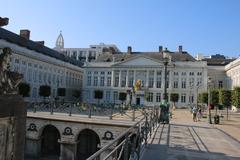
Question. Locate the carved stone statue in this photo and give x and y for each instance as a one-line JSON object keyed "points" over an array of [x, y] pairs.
{"points": [[8, 80]]}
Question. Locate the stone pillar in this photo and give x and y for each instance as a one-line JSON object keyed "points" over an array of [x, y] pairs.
{"points": [[155, 79], [14, 108], [120, 78], [68, 150], [33, 147], [134, 77], [127, 76], [147, 79], [112, 79]]}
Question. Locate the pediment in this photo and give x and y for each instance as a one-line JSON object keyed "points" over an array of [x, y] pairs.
{"points": [[140, 61]]}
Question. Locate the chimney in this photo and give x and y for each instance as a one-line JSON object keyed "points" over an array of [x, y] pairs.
{"points": [[180, 49], [25, 33], [40, 42], [129, 50], [160, 48], [3, 21]]}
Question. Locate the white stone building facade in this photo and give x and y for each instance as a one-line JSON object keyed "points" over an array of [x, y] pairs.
{"points": [[40, 67], [187, 78], [233, 73]]}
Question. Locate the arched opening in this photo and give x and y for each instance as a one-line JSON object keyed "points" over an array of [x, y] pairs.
{"points": [[88, 142], [49, 142]]}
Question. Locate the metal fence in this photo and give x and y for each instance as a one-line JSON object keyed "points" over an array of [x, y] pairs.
{"points": [[130, 144], [107, 110]]}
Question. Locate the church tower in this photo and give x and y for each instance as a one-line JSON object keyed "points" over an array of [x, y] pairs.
{"points": [[59, 42]]}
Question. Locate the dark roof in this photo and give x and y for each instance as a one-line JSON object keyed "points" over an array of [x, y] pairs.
{"points": [[16, 39], [217, 62], [122, 56]]}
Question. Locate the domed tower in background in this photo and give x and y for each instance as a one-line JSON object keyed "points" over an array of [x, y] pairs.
{"points": [[59, 42]]}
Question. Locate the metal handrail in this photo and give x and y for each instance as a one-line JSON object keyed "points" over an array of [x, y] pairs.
{"points": [[143, 129]]}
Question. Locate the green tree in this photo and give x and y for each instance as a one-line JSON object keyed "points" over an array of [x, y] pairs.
{"points": [[214, 97], [24, 89], [225, 98], [98, 94], [236, 97], [45, 91], [174, 98], [61, 92], [203, 97]]}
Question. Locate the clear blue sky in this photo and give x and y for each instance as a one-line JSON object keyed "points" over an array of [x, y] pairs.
{"points": [[201, 26]]}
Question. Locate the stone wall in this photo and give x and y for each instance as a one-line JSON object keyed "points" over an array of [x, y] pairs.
{"points": [[12, 127]]}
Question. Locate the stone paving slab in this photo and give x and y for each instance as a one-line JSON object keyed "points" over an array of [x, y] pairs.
{"points": [[184, 139]]}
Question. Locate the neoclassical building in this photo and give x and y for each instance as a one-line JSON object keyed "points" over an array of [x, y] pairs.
{"points": [[233, 73], [115, 73], [41, 65]]}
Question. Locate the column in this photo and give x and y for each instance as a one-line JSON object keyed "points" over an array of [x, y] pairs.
{"points": [[147, 79], [134, 77], [127, 78], [155, 79], [120, 78], [170, 76], [112, 78], [68, 150]]}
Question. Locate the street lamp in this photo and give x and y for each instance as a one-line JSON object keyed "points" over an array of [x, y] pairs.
{"points": [[165, 62], [209, 96], [164, 114]]}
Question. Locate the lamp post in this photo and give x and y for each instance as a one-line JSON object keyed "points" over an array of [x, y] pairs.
{"points": [[209, 96], [165, 62]]}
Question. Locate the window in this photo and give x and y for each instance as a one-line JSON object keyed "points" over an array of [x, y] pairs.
{"points": [[109, 73], [183, 98], [158, 97], [89, 80], [102, 73], [191, 82], [116, 78], [102, 81], [150, 97], [191, 98], [40, 77], [199, 81], [123, 78], [175, 83], [35, 76], [95, 81], [130, 78], [108, 96], [17, 61], [29, 75], [220, 84], [159, 73], [191, 73], [151, 79], [159, 82], [115, 96], [89, 72], [183, 83], [109, 79], [175, 73], [184, 73], [199, 73]]}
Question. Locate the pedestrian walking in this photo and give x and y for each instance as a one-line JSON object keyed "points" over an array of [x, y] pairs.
{"points": [[199, 113], [194, 114]]}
